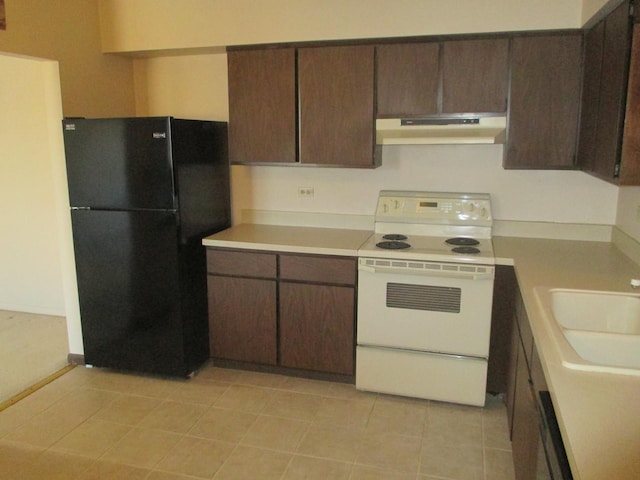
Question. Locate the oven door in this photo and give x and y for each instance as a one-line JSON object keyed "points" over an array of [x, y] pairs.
{"points": [[425, 306]]}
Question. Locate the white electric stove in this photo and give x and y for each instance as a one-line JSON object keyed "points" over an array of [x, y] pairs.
{"points": [[425, 289]]}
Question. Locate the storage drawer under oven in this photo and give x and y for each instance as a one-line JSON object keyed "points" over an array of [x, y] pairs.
{"points": [[445, 378]]}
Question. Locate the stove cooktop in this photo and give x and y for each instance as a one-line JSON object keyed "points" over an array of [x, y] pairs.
{"points": [[429, 248], [432, 226]]}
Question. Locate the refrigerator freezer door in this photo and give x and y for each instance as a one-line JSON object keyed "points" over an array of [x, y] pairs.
{"points": [[128, 281], [119, 163]]}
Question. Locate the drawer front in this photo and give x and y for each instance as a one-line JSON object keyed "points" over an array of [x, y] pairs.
{"points": [[248, 264], [318, 269]]}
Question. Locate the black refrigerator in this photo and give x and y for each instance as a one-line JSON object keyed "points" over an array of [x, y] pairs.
{"points": [[143, 193]]}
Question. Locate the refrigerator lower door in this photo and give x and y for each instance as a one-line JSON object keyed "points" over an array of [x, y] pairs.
{"points": [[127, 266]]}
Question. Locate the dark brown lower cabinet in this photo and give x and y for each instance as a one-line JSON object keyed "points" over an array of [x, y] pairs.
{"points": [[242, 319], [525, 434], [316, 327], [525, 381], [510, 394], [280, 309], [502, 324]]}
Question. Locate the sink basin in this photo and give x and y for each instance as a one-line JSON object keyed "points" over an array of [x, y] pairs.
{"points": [[594, 330]]}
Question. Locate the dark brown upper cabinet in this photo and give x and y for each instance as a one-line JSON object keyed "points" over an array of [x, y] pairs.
{"points": [[407, 79], [604, 100], [544, 101], [262, 106], [630, 164], [592, 72], [451, 77], [475, 76], [336, 105], [306, 106]]}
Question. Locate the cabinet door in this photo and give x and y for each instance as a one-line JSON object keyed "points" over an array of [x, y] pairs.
{"points": [[407, 77], [613, 85], [262, 106], [502, 325], [242, 319], [336, 106], [592, 73], [525, 437], [512, 373], [630, 168], [544, 101], [317, 327], [475, 76]]}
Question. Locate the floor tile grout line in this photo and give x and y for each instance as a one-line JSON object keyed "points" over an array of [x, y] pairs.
{"points": [[422, 439], [484, 452], [316, 421], [225, 461]]}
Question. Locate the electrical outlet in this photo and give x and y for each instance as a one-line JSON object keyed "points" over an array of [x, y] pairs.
{"points": [[305, 191]]}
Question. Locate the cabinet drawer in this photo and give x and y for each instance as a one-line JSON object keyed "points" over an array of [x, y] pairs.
{"points": [[249, 264], [318, 269]]}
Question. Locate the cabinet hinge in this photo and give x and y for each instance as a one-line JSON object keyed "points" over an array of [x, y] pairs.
{"points": [[616, 170]]}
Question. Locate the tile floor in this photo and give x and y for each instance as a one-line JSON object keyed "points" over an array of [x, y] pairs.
{"points": [[230, 424], [32, 347]]}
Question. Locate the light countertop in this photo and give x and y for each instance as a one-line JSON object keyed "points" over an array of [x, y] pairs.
{"points": [[321, 241], [598, 413]]}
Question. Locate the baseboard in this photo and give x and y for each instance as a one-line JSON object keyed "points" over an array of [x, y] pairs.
{"points": [[75, 359], [290, 372], [39, 310]]}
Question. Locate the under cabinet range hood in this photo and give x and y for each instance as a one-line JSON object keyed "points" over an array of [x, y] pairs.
{"points": [[441, 130]]}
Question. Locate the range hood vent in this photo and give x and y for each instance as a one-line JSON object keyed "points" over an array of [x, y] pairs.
{"points": [[441, 130]]}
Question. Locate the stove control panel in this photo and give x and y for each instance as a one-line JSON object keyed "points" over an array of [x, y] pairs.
{"points": [[425, 207]]}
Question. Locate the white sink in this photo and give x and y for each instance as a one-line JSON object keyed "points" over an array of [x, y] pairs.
{"points": [[594, 330]]}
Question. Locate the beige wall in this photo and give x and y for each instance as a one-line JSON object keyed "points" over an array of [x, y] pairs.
{"points": [[36, 252], [195, 85], [148, 25], [189, 86], [517, 194], [32, 188], [93, 84]]}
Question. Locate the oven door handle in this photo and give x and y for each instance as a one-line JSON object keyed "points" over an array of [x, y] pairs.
{"points": [[429, 273]]}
